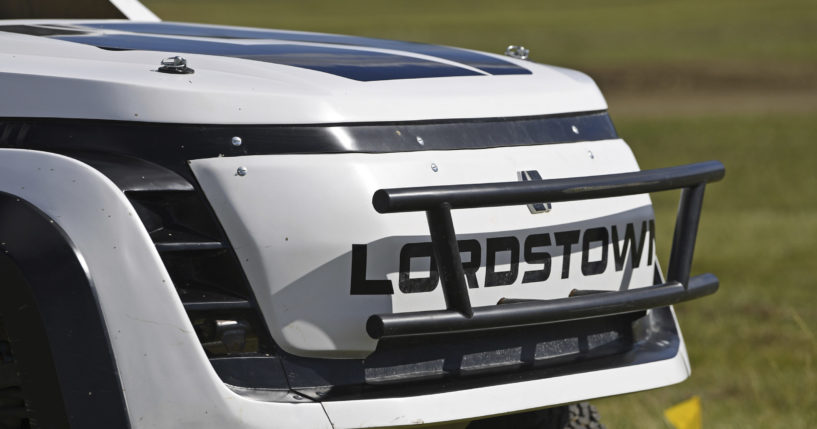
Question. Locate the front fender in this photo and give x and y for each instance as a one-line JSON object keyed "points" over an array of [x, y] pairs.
{"points": [[166, 379]]}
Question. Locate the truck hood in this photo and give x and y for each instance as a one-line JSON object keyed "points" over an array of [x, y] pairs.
{"points": [[110, 70]]}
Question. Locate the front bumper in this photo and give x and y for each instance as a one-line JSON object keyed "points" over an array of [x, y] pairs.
{"points": [[654, 356], [459, 316]]}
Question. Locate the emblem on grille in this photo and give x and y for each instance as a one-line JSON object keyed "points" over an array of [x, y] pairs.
{"points": [[533, 175]]}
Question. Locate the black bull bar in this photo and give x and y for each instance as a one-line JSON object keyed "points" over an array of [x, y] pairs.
{"points": [[459, 316]]}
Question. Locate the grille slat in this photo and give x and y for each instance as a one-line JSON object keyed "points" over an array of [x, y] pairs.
{"points": [[200, 300], [186, 246]]}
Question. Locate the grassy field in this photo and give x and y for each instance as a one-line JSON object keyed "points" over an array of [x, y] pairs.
{"points": [[752, 346], [685, 81]]}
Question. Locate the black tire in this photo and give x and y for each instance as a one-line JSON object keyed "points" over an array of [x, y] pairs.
{"points": [[13, 410], [575, 416], [582, 416]]}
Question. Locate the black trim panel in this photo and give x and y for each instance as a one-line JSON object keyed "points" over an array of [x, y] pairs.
{"points": [[53, 318], [134, 174], [172, 145]]}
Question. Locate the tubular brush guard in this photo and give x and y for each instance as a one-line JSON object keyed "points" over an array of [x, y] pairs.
{"points": [[459, 316]]}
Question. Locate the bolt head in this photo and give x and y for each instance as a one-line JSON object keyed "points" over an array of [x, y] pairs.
{"points": [[236, 141], [242, 171], [176, 61], [517, 51], [434, 167]]}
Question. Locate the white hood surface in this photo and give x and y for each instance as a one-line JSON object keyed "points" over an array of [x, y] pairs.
{"points": [[109, 70]]}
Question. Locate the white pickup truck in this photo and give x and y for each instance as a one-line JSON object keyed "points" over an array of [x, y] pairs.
{"points": [[221, 227]]}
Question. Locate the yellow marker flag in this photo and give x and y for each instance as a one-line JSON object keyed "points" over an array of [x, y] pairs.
{"points": [[685, 415]]}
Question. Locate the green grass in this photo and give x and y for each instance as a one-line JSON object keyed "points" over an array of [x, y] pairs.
{"points": [[727, 42], [753, 345], [588, 31]]}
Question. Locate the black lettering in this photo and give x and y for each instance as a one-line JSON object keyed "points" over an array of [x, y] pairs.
{"points": [[531, 257], [501, 244], [594, 235], [423, 284], [470, 268], [635, 247], [566, 239], [361, 286]]}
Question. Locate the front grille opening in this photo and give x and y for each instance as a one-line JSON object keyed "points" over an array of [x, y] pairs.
{"points": [[211, 285], [206, 275]]}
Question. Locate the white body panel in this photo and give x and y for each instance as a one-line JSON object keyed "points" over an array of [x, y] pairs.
{"points": [[51, 78], [293, 219]]}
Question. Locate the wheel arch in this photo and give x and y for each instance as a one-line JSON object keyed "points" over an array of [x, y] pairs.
{"points": [[54, 322]]}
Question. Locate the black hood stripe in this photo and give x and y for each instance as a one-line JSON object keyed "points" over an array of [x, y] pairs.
{"points": [[349, 63], [343, 60], [43, 30], [486, 63]]}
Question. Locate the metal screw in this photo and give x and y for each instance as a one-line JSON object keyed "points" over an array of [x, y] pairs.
{"points": [[420, 141], [590, 154], [242, 171], [575, 129], [434, 167], [236, 141], [176, 61], [517, 51]]}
